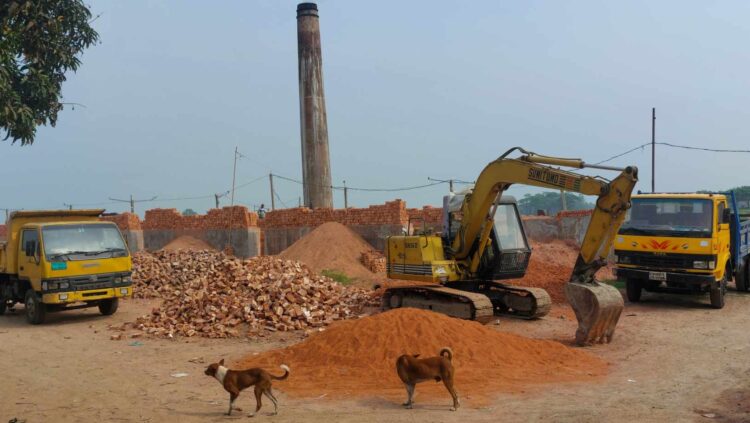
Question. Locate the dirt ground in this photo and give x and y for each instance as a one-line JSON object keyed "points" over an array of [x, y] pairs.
{"points": [[673, 359]]}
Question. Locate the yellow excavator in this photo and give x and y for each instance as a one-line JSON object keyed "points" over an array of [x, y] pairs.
{"points": [[483, 241]]}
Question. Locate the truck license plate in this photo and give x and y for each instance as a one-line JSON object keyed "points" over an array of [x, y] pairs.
{"points": [[657, 276]]}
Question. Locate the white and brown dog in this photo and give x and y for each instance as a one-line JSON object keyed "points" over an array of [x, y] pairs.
{"points": [[413, 370], [235, 381]]}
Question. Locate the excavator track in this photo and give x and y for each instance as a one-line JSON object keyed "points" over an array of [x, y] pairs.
{"points": [[453, 302], [479, 301]]}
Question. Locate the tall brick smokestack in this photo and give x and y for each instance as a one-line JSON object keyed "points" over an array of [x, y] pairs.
{"points": [[316, 161]]}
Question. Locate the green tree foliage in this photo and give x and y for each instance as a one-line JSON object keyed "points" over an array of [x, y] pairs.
{"points": [[40, 40], [189, 212], [742, 193], [551, 202]]}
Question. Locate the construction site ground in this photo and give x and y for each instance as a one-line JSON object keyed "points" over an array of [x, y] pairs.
{"points": [[672, 360]]}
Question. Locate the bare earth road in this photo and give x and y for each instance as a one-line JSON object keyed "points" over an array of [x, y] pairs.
{"points": [[672, 360]]}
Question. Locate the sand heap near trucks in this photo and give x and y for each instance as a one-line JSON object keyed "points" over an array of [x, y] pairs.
{"points": [[357, 357], [188, 243], [332, 246], [214, 295], [551, 266]]}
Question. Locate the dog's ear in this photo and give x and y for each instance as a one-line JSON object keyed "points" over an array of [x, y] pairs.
{"points": [[221, 363]]}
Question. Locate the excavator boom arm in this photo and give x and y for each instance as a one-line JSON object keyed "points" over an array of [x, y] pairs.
{"points": [[612, 202]]}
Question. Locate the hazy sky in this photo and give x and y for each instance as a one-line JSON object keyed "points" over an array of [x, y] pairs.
{"points": [[413, 89]]}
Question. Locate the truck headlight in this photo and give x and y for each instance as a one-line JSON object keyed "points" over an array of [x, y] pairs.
{"points": [[127, 279], [118, 279], [64, 285], [700, 264], [712, 265], [623, 259], [63, 297], [45, 286], [124, 291]]}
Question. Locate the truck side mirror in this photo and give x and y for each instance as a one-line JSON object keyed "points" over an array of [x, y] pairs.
{"points": [[726, 217]]}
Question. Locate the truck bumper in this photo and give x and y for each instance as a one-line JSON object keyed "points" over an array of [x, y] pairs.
{"points": [[84, 296], [683, 278]]}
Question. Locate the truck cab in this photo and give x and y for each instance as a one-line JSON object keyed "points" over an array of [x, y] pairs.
{"points": [[61, 260], [680, 243]]}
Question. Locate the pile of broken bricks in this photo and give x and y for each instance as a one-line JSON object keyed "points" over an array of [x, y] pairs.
{"points": [[213, 295]]}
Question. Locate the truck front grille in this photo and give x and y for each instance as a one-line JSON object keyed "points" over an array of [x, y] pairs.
{"points": [[665, 261]]}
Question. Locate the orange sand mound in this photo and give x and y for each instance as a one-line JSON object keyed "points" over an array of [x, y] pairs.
{"points": [[550, 268], [331, 246], [188, 243], [357, 358]]}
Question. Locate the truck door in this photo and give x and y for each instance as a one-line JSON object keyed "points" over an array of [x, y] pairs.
{"points": [[723, 238], [29, 258]]}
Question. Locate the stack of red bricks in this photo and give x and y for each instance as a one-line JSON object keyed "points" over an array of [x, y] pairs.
{"points": [[374, 260], [235, 217], [390, 213], [3, 232], [574, 213], [124, 221]]}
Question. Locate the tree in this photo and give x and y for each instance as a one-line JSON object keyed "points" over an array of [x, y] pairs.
{"points": [[189, 212], [40, 40], [551, 202]]}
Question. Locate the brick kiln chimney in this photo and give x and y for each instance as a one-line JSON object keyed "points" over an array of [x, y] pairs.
{"points": [[316, 162]]}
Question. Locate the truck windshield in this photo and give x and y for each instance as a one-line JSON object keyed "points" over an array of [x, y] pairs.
{"points": [[669, 217], [82, 242], [508, 228]]}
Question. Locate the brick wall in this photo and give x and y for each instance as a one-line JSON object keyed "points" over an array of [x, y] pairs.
{"points": [[125, 221], [236, 217], [3, 232], [431, 216], [390, 213]]}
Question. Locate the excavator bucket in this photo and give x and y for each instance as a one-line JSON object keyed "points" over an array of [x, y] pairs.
{"points": [[597, 307]]}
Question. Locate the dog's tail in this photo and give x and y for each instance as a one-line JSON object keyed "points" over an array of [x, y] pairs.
{"points": [[447, 352], [285, 375]]}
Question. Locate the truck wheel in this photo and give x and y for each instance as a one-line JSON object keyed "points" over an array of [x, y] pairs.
{"points": [[717, 293], [740, 279], [35, 308], [633, 289], [109, 307]]}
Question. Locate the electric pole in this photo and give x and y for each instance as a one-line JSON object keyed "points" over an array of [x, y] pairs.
{"points": [[234, 172], [132, 202], [346, 196], [653, 149], [273, 201], [69, 206]]}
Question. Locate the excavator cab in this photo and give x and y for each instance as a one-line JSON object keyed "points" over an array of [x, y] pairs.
{"points": [[508, 253]]}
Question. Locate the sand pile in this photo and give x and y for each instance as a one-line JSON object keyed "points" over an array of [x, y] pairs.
{"points": [[332, 246], [550, 268], [357, 358], [188, 243], [216, 296]]}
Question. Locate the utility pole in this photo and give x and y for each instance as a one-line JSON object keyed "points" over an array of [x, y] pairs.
{"points": [[450, 185], [234, 172], [217, 196], [132, 202], [273, 200], [299, 202], [653, 149], [69, 206], [346, 196], [563, 199]]}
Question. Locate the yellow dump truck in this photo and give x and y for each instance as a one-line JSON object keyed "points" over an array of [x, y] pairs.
{"points": [[684, 243], [56, 260]]}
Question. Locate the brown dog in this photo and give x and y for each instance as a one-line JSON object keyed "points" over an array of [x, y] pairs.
{"points": [[235, 381], [413, 370]]}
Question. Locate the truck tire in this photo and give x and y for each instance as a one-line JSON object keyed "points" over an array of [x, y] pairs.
{"points": [[36, 310], [717, 293], [633, 288], [741, 278], [109, 307]]}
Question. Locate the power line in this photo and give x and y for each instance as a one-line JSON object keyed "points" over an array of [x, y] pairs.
{"points": [[367, 189], [686, 147]]}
